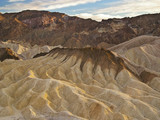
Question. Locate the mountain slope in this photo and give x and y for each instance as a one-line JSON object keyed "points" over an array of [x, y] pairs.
{"points": [[46, 28], [143, 51]]}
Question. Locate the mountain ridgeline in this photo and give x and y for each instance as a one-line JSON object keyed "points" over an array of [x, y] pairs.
{"points": [[52, 28]]}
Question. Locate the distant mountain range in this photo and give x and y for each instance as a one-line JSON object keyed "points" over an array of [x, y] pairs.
{"points": [[47, 28]]}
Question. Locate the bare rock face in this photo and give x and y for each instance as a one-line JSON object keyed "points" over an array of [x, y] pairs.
{"points": [[46, 28], [7, 53]]}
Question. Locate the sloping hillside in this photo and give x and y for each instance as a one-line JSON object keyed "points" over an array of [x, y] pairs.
{"points": [[85, 83]]}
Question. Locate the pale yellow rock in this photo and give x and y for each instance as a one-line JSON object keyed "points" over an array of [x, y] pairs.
{"points": [[69, 86], [143, 51]]}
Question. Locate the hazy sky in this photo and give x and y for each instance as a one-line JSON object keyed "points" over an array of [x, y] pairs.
{"points": [[95, 9]]}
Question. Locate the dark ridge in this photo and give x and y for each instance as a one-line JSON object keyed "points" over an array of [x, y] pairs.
{"points": [[7, 53], [104, 58], [98, 56], [40, 54]]}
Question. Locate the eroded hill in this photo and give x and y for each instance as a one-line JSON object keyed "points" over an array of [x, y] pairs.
{"points": [[72, 83]]}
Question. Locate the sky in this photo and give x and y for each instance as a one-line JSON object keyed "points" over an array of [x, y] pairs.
{"points": [[94, 9]]}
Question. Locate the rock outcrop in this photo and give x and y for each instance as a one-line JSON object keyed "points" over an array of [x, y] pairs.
{"points": [[7, 53]]}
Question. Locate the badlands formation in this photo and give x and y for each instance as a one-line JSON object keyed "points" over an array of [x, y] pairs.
{"points": [[114, 80], [53, 29]]}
